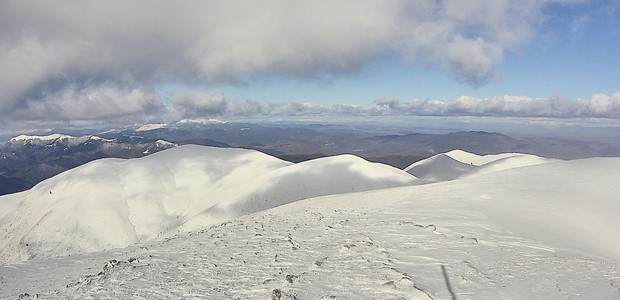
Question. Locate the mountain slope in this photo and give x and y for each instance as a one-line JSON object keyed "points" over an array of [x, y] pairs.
{"points": [[459, 163], [547, 231], [475, 159], [113, 203], [31, 159], [508, 162], [440, 167]]}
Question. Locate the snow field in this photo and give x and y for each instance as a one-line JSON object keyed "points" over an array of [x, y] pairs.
{"points": [[114, 203], [324, 248], [516, 227], [458, 164]]}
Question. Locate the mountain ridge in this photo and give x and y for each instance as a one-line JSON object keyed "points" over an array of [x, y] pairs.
{"points": [[547, 230], [111, 203], [30, 162]]}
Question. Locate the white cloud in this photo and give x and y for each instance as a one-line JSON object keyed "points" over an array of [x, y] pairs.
{"points": [[108, 102], [606, 106], [196, 103], [89, 103], [47, 45], [215, 103], [597, 106], [210, 103]]}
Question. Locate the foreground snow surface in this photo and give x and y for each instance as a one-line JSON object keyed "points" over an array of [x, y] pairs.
{"points": [[547, 231]]}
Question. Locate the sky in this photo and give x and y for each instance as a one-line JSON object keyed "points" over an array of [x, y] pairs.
{"points": [[142, 61]]}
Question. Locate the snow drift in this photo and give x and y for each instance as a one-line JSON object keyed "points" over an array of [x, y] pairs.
{"points": [[112, 203]]}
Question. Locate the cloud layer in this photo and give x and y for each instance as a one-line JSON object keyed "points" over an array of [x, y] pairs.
{"points": [[51, 51], [215, 103], [108, 102], [597, 106]]}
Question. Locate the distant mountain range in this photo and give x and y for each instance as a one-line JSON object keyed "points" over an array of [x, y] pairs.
{"points": [[26, 160]]}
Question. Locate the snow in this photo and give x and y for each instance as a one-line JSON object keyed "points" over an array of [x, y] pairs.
{"points": [[525, 228], [112, 203], [161, 144], [509, 162], [322, 176], [8, 203], [97, 138], [149, 127], [200, 122], [164, 143], [440, 167], [49, 138], [477, 160], [56, 137], [458, 164]]}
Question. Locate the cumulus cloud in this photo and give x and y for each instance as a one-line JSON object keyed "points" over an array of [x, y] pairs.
{"points": [[606, 106], [46, 46]]}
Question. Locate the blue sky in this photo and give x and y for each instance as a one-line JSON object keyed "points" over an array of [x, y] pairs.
{"points": [[142, 61], [574, 53]]}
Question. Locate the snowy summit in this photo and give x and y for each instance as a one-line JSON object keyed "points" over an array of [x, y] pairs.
{"points": [[49, 138]]}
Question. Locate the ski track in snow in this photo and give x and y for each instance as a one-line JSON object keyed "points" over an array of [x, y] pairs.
{"points": [[335, 253]]}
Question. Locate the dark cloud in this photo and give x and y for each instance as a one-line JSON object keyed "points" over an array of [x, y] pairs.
{"points": [[48, 46]]}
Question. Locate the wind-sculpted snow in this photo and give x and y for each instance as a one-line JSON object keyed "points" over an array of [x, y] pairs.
{"points": [[113, 203]]}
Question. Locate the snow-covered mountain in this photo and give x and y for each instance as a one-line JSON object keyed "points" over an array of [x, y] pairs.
{"points": [[440, 167], [112, 203], [459, 163], [55, 138], [149, 127], [517, 227], [26, 160]]}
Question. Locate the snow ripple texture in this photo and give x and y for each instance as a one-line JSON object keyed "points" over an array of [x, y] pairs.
{"points": [[336, 254]]}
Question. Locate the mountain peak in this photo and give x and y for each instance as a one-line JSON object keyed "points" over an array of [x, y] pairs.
{"points": [[149, 127], [51, 137]]}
